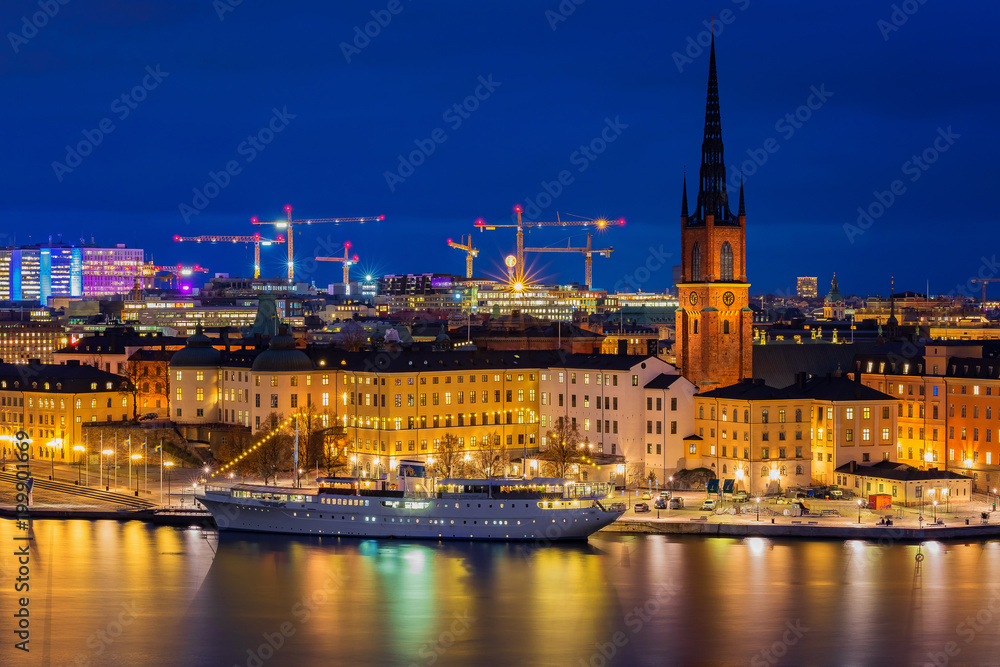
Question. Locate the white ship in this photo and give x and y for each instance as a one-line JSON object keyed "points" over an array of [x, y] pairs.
{"points": [[548, 509]]}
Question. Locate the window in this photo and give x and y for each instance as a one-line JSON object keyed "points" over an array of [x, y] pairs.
{"points": [[726, 263], [635, 380], [866, 413], [696, 263], [866, 434], [763, 416], [849, 413]]}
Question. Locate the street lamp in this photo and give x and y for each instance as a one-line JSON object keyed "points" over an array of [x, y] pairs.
{"points": [[774, 478], [78, 449], [860, 502], [57, 442], [935, 511], [758, 508], [106, 452], [136, 457], [169, 465]]}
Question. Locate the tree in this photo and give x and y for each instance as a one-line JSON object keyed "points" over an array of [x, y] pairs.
{"points": [[563, 447], [352, 336], [449, 459], [273, 449], [131, 371], [333, 448], [491, 459], [238, 441], [312, 424]]}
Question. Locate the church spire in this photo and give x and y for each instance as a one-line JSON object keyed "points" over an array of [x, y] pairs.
{"points": [[684, 198], [742, 212], [712, 197]]}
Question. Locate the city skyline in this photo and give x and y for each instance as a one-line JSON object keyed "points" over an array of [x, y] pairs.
{"points": [[798, 173]]}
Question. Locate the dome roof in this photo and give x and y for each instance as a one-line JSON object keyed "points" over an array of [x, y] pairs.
{"points": [[281, 355], [197, 352]]}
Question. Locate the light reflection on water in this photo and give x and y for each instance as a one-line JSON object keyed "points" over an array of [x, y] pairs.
{"points": [[639, 599]]}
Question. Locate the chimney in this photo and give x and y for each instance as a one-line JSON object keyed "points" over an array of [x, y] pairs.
{"points": [[224, 335]]}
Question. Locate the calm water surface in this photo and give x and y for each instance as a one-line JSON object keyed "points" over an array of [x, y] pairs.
{"points": [[107, 593]]}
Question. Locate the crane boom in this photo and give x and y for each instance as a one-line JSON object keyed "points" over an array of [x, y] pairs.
{"points": [[348, 261], [290, 223], [588, 257], [470, 253], [600, 223], [256, 240]]}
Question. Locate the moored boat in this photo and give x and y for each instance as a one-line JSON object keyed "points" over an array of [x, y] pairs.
{"points": [[549, 509]]}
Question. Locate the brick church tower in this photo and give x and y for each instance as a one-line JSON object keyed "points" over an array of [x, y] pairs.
{"points": [[714, 321]]}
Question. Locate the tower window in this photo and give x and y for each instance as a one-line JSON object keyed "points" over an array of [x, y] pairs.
{"points": [[696, 263], [696, 326], [725, 327], [726, 262]]}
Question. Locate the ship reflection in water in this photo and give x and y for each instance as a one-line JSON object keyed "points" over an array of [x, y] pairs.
{"points": [[130, 593]]}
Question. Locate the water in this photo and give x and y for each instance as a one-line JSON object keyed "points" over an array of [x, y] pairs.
{"points": [[107, 593]]}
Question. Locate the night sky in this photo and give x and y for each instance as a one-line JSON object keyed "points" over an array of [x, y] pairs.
{"points": [[890, 84]]}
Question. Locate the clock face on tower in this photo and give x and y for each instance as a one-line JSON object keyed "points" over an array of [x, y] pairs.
{"points": [[728, 298], [693, 298]]}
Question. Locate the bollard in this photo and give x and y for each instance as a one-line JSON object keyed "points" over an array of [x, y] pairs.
{"points": [[772, 519]]}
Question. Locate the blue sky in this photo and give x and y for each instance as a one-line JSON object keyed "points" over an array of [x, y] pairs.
{"points": [[211, 75]]}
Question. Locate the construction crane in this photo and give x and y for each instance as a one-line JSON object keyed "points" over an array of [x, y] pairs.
{"points": [[600, 223], [470, 253], [288, 224], [348, 262], [588, 257], [256, 240], [149, 271], [982, 304]]}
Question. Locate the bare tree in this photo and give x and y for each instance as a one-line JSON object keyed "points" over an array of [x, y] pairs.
{"points": [[333, 448], [563, 447], [449, 459], [352, 336], [273, 450], [312, 423], [234, 450], [130, 371], [490, 461], [636, 474]]}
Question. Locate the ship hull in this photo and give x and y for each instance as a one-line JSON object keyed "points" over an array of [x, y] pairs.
{"points": [[436, 519]]}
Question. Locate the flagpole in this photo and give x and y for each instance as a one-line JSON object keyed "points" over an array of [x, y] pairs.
{"points": [[145, 466]]}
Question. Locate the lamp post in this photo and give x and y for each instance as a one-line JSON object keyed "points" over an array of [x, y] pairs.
{"points": [[947, 498], [79, 471], [52, 444], [169, 465], [106, 452], [860, 502], [135, 457], [935, 511], [757, 500]]}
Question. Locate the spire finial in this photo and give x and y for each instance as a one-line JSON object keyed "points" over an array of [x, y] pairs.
{"points": [[684, 197], [742, 212]]}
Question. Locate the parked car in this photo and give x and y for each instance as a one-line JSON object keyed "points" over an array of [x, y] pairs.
{"points": [[641, 507], [618, 507], [645, 495], [709, 505], [666, 494], [741, 497], [676, 504], [148, 416], [836, 494], [660, 503]]}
